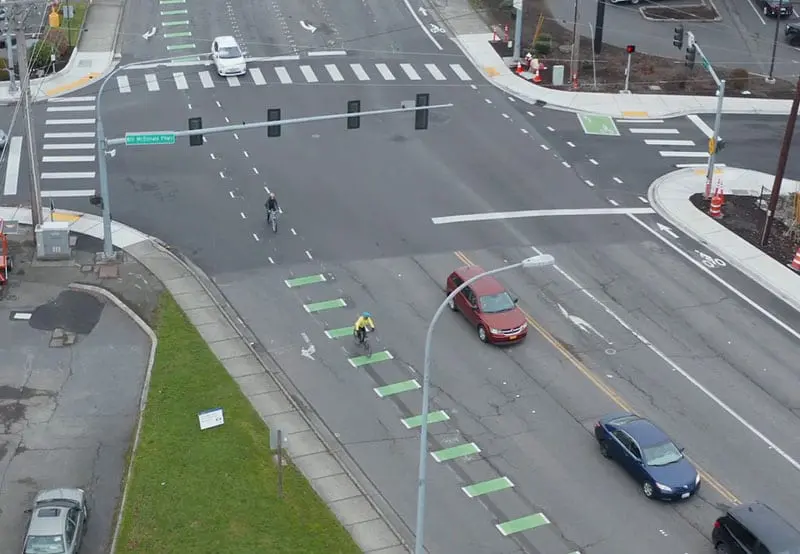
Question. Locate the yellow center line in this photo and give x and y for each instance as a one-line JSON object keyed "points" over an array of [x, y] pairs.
{"points": [[605, 389]]}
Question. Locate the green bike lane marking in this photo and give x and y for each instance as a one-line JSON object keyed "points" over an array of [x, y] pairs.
{"points": [[433, 417], [383, 356], [397, 388], [324, 305], [485, 487], [181, 47], [454, 452], [165, 2], [176, 35], [339, 333], [598, 125], [307, 280], [522, 524], [173, 23], [175, 12]]}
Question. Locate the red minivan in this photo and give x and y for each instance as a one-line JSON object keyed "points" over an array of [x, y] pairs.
{"points": [[488, 306]]}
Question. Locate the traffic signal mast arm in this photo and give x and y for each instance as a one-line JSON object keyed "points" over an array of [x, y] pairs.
{"points": [[278, 123]]}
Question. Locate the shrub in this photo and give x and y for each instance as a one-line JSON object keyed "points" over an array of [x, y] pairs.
{"points": [[739, 79], [58, 40], [3, 69], [41, 54], [543, 45]]}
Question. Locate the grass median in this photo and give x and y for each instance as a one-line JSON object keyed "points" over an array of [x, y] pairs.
{"points": [[213, 491]]}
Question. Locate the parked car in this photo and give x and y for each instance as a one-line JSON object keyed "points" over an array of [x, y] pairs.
{"points": [[3, 140], [754, 529], [228, 58], [648, 455], [792, 33], [775, 7], [58, 522], [488, 306]]}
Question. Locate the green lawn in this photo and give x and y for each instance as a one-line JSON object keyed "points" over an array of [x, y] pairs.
{"points": [[213, 491], [73, 26]]}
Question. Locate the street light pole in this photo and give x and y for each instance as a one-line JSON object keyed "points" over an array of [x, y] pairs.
{"points": [[771, 78], [536, 261]]}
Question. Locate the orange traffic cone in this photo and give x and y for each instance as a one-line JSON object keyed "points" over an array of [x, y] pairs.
{"points": [[519, 68], [796, 262], [716, 205], [536, 77]]}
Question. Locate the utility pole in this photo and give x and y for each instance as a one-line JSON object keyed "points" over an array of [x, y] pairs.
{"points": [[25, 81], [782, 159], [575, 54]]}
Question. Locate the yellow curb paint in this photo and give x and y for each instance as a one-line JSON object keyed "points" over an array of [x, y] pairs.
{"points": [[65, 218], [717, 171], [491, 71], [635, 115], [72, 85]]}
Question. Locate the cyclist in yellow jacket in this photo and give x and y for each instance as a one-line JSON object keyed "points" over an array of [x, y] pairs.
{"points": [[363, 323]]}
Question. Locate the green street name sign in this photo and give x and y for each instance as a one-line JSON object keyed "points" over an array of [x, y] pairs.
{"points": [[705, 63], [138, 139]]}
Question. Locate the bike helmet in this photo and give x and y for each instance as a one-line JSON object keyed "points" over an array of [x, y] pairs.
{"points": [[366, 315]]}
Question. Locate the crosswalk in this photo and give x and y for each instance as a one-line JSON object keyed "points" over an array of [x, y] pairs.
{"points": [[68, 148], [329, 73], [669, 142]]}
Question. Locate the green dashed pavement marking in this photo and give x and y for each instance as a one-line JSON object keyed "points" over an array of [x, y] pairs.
{"points": [[396, 388], [325, 305], [164, 2], [173, 23], [188, 59], [339, 333], [181, 47], [598, 125], [522, 524], [176, 35], [175, 12], [485, 487], [433, 417], [453, 452], [307, 280], [376, 357]]}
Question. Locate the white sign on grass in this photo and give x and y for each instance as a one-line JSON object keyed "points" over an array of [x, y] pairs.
{"points": [[210, 418]]}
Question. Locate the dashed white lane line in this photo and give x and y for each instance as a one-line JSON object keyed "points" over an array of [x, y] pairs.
{"points": [[588, 182], [293, 231], [218, 104], [613, 202], [227, 120], [511, 99], [231, 193], [544, 147], [571, 145], [530, 114], [524, 131], [221, 175], [255, 170], [255, 236], [488, 101], [235, 135], [550, 128], [246, 155], [594, 162], [643, 200], [618, 180], [505, 115], [243, 216], [270, 259], [309, 255], [565, 164], [266, 188]]}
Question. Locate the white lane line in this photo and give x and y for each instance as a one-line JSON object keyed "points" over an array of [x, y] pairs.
{"points": [[544, 147], [566, 164], [594, 162], [308, 74], [677, 154], [180, 81], [531, 114], [70, 146], [409, 70], [704, 166], [613, 202], [493, 216], [283, 75], [700, 124], [218, 104], [434, 71], [123, 84], [359, 72], [668, 142], [206, 80], [758, 14], [588, 182], [334, 72], [383, 69], [12, 166], [242, 214], [152, 82], [571, 145], [643, 200], [617, 180], [505, 115], [88, 108], [633, 120], [255, 236], [87, 121], [422, 26], [488, 101], [233, 81], [460, 73], [68, 99], [80, 193], [87, 134], [309, 255], [550, 129], [658, 131], [69, 175], [319, 54], [525, 131], [68, 159], [257, 76]]}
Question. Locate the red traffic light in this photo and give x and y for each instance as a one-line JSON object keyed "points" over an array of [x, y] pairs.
{"points": [[630, 49]]}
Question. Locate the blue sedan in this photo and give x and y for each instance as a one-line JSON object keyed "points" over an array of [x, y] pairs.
{"points": [[648, 454]]}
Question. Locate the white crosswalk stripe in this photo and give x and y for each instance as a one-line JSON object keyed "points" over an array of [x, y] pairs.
{"points": [[123, 85], [460, 73], [152, 82], [659, 134], [87, 134], [233, 81], [438, 75], [308, 73], [283, 75], [359, 72], [257, 76], [206, 80], [68, 159], [180, 81], [86, 108], [70, 146], [383, 69], [71, 99], [409, 70], [334, 72], [85, 121]]}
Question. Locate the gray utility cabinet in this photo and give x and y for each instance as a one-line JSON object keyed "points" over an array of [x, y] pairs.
{"points": [[52, 241]]}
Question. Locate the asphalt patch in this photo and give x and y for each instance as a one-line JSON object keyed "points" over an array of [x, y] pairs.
{"points": [[73, 311]]}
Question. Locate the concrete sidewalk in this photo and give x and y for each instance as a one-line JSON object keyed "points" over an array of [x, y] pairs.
{"points": [[669, 196], [91, 58], [311, 447], [478, 49]]}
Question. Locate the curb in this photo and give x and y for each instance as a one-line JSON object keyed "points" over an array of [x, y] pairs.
{"points": [[733, 260], [692, 20], [100, 291]]}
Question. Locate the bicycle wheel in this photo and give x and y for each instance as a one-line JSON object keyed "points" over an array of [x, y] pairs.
{"points": [[274, 221], [367, 347]]}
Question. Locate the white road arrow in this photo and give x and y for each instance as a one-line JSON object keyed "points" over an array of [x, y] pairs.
{"points": [[664, 229], [310, 349], [582, 324], [308, 26], [422, 11], [149, 34]]}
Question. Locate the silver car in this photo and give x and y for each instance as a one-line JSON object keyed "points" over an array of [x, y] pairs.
{"points": [[58, 522]]}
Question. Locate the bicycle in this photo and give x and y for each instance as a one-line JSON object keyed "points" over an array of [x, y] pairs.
{"points": [[363, 343], [272, 218]]}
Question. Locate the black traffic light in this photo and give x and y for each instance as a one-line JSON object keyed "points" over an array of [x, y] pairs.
{"points": [[421, 116], [353, 106], [274, 114], [630, 49], [96, 200], [677, 39], [720, 144], [691, 54], [195, 123]]}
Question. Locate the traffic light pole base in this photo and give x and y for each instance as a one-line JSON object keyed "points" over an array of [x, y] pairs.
{"points": [[770, 80]]}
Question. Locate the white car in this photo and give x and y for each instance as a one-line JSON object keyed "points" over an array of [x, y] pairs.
{"points": [[228, 58]]}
